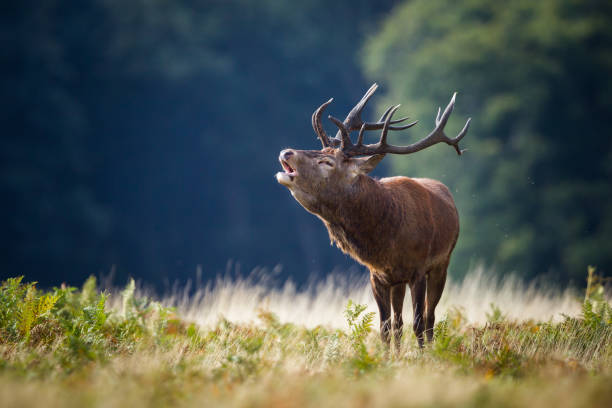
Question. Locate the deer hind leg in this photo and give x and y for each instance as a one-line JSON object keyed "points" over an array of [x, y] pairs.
{"points": [[382, 295], [397, 302], [417, 291], [436, 279]]}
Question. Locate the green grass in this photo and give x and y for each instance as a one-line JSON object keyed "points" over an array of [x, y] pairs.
{"points": [[67, 347]]}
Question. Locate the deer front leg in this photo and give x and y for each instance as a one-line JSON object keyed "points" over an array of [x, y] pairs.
{"points": [[397, 302], [417, 290], [382, 295]]}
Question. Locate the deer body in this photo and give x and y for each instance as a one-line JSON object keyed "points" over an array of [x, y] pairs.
{"points": [[415, 229], [402, 229]]}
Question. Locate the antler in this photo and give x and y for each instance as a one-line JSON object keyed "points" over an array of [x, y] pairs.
{"points": [[353, 121], [436, 136], [318, 127]]}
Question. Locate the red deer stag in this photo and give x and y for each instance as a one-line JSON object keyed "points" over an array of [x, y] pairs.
{"points": [[402, 229]]}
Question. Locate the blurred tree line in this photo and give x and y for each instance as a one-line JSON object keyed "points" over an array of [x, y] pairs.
{"points": [[145, 134], [534, 190]]}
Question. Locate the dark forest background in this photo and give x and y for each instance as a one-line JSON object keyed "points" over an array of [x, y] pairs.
{"points": [[143, 136]]}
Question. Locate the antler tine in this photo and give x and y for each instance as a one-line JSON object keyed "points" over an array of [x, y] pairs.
{"points": [[447, 112], [436, 136], [383, 134], [353, 120], [318, 127], [384, 115], [411, 124], [379, 125], [441, 122], [360, 136], [345, 142], [381, 121], [456, 140]]}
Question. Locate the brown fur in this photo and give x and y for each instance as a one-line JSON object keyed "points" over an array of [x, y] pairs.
{"points": [[402, 229]]}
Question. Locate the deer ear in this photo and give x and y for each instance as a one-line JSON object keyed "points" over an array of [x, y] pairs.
{"points": [[367, 164]]}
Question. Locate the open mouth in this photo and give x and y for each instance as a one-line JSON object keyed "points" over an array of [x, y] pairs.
{"points": [[287, 176], [288, 169]]}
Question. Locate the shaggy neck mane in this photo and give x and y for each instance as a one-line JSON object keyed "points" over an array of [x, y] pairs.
{"points": [[359, 215]]}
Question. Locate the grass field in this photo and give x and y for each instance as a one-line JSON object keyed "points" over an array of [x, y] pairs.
{"points": [[497, 344]]}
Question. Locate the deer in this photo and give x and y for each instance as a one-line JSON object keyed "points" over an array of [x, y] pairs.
{"points": [[403, 230]]}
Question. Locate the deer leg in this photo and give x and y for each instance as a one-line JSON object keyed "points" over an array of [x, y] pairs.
{"points": [[436, 279], [382, 296], [397, 302], [417, 291]]}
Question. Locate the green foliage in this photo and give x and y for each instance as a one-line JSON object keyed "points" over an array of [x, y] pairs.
{"points": [[510, 349], [76, 326], [71, 327], [75, 337], [23, 308], [448, 341], [359, 328], [533, 189], [595, 300], [496, 315]]}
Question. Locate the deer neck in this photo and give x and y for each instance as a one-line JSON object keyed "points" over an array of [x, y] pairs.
{"points": [[351, 220]]}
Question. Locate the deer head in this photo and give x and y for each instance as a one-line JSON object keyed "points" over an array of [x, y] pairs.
{"points": [[318, 178]]}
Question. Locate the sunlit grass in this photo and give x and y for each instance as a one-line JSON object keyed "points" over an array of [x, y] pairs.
{"points": [[323, 302], [68, 347]]}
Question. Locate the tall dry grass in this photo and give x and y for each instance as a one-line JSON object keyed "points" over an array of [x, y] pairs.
{"points": [[323, 303]]}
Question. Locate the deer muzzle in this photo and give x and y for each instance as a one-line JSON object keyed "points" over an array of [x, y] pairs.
{"points": [[286, 177]]}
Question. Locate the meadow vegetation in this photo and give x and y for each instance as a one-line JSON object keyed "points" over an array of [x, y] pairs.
{"points": [[71, 347]]}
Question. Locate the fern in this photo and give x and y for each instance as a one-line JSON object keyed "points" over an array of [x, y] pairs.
{"points": [[32, 309], [352, 312], [363, 327], [27, 314], [332, 349], [46, 303], [88, 292], [596, 311], [359, 330]]}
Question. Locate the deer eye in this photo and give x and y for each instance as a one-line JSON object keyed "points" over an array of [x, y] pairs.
{"points": [[330, 164]]}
